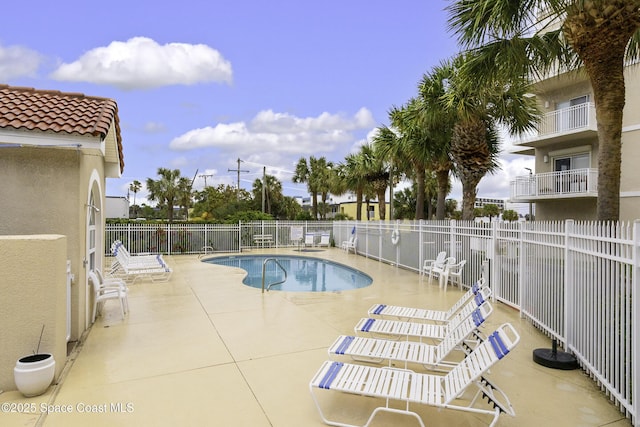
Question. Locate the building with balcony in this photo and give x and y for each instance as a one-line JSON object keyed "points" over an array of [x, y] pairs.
{"points": [[565, 145]]}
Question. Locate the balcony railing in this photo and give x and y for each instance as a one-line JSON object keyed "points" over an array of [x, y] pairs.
{"points": [[555, 185], [574, 119]]}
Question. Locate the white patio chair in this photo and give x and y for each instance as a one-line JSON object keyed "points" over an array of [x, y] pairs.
{"points": [[429, 264], [347, 243], [351, 244], [114, 281], [453, 274], [409, 387], [103, 293], [438, 270]]}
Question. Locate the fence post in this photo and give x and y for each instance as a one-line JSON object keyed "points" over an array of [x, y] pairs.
{"points": [[421, 256], [493, 265], [522, 227], [569, 282], [452, 239], [635, 323]]}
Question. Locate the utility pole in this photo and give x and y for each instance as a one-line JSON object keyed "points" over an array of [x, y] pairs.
{"points": [[264, 185], [205, 176], [238, 170]]}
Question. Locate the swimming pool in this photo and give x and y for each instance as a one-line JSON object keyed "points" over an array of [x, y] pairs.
{"points": [[304, 274]]}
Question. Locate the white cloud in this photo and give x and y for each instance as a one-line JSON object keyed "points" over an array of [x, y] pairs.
{"points": [[284, 133], [154, 127], [142, 63], [18, 61]]}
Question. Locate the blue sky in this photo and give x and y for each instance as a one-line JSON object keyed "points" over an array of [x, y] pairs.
{"points": [[200, 84]]}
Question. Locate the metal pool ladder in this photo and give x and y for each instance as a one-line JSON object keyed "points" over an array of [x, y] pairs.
{"points": [[264, 266]]}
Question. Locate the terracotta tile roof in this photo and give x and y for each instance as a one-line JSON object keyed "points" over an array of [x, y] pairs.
{"points": [[26, 108]]}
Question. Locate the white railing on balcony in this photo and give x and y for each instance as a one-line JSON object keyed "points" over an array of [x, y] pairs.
{"points": [[569, 183], [563, 121]]}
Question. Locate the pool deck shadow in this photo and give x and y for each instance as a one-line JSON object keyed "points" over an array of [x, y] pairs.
{"points": [[204, 349]]}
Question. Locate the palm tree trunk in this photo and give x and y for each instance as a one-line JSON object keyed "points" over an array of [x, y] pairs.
{"points": [[599, 32], [420, 185], [314, 204], [442, 177], [469, 188], [382, 206], [607, 80], [359, 204]]}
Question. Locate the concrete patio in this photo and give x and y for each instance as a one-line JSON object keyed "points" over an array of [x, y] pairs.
{"points": [[203, 349]]}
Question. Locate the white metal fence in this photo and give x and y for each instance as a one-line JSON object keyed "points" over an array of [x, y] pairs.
{"points": [[575, 281], [178, 238]]}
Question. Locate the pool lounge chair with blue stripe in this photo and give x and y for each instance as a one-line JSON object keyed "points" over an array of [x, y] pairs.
{"points": [[420, 330], [409, 313], [434, 356], [454, 391]]}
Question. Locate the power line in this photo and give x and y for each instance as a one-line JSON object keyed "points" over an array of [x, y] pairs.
{"points": [[205, 176]]}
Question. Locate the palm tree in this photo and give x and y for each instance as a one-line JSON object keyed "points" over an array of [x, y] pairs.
{"points": [[317, 176], [352, 173], [411, 149], [165, 190], [322, 171], [272, 192], [376, 175], [479, 110], [184, 195], [134, 187], [303, 174], [512, 38], [440, 122]]}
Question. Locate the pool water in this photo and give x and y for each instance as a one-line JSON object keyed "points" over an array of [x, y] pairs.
{"points": [[304, 274]]}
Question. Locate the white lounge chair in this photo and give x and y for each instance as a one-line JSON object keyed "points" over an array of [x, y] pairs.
{"points": [[122, 255], [429, 264], [309, 239], [324, 240], [102, 293], [420, 330], [450, 391], [129, 267], [410, 313], [430, 356]]}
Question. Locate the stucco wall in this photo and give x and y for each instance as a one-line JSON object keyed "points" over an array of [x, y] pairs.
{"points": [[561, 209], [33, 293], [49, 191]]}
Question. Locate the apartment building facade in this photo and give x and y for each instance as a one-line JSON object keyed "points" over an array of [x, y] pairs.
{"points": [[564, 184]]}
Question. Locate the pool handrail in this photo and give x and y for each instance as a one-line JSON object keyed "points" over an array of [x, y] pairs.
{"points": [[264, 266]]}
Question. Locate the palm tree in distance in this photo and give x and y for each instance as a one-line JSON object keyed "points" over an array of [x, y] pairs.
{"points": [[522, 38], [134, 187], [411, 147], [165, 190], [317, 176], [376, 175], [352, 174]]}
